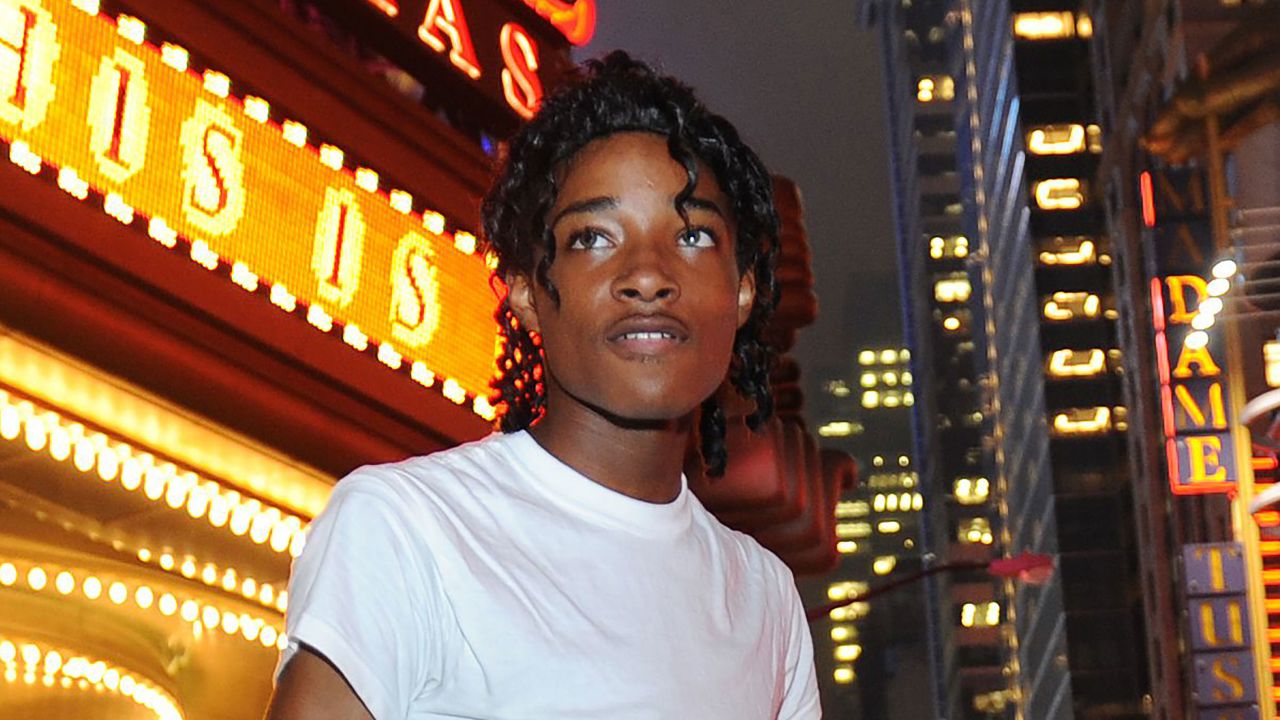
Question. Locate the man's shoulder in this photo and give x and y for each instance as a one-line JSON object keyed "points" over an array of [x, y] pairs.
{"points": [[474, 467], [761, 561]]}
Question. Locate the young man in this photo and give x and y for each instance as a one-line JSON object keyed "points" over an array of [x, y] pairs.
{"points": [[562, 568]]}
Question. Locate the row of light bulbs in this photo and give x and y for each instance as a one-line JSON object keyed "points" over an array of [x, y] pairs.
{"points": [[296, 133], [228, 580], [1208, 308], [138, 471], [66, 582], [62, 668]]}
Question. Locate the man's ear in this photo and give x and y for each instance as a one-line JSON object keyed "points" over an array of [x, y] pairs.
{"points": [[746, 296], [520, 298]]}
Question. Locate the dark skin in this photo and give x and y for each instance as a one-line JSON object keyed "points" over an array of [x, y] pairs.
{"points": [[643, 333], [627, 268]]}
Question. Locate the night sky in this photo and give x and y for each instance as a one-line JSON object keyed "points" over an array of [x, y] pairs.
{"points": [[803, 84]]}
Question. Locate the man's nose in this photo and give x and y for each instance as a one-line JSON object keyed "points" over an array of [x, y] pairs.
{"points": [[646, 278]]}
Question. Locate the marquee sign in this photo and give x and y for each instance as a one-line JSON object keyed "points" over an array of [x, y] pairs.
{"points": [[488, 43], [130, 125], [1197, 413], [1221, 640]]}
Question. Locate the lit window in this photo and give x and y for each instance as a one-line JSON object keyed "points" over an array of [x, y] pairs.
{"points": [[870, 399], [1271, 358], [975, 531], [853, 530], [888, 527], [952, 289], [840, 428], [845, 589], [1079, 250], [1064, 306], [1060, 193], [884, 564], [841, 633], [843, 675], [972, 491], [847, 652], [1087, 421], [1054, 25], [1077, 363], [935, 87], [838, 388], [890, 378], [852, 509], [1057, 139], [982, 614], [888, 357], [951, 323], [953, 246], [867, 357], [1095, 138], [846, 547]]}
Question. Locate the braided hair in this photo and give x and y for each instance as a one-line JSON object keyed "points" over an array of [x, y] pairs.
{"points": [[612, 95]]}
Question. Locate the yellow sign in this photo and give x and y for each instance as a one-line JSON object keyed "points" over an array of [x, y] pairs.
{"points": [[131, 121]]}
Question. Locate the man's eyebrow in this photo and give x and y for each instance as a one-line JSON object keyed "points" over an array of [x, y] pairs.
{"points": [[697, 203], [604, 202]]}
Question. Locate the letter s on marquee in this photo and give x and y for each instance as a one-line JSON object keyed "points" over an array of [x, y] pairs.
{"points": [[415, 307], [520, 83], [28, 51], [119, 117], [212, 171]]}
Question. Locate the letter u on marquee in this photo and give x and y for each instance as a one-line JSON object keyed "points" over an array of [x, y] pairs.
{"points": [[28, 51]]}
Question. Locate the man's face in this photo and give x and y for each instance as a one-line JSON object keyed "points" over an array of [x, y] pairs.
{"points": [[648, 306]]}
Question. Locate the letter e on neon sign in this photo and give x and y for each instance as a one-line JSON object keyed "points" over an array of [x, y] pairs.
{"points": [[212, 171], [119, 117], [415, 304], [28, 51]]}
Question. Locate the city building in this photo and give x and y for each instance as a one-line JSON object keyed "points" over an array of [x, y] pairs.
{"points": [[870, 655], [1187, 91], [1020, 419]]}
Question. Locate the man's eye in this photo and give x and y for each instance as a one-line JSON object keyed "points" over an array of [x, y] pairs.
{"points": [[588, 240], [697, 237]]}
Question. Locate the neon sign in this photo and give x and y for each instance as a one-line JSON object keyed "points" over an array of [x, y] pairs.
{"points": [[177, 152], [515, 70], [1197, 414]]}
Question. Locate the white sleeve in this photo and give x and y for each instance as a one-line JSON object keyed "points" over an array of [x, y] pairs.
{"points": [[364, 596], [800, 701]]}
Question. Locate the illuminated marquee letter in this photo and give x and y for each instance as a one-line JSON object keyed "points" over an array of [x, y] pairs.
{"points": [[1204, 456], [28, 51], [414, 302], [445, 27], [1178, 285], [1199, 357], [1192, 416], [520, 83], [119, 118], [212, 172], [1228, 679], [338, 248]]}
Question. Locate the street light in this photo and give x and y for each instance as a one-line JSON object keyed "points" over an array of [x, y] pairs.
{"points": [[1031, 568]]}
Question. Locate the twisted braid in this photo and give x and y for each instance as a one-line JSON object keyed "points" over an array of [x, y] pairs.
{"points": [[612, 95]]}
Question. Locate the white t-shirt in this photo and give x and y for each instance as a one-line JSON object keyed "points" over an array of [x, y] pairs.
{"points": [[493, 581]]}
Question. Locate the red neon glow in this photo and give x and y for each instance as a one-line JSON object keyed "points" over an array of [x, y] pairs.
{"points": [[520, 84], [1148, 199], [575, 20], [1171, 459], [445, 28], [1269, 518], [1157, 305], [390, 7], [1162, 357], [1166, 407], [1269, 548], [1265, 463]]}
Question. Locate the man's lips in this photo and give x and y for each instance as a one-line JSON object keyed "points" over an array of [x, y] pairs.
{"points": [[647, 334]]}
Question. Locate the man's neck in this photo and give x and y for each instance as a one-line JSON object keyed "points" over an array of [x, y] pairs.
{"points": [[640, 462]]}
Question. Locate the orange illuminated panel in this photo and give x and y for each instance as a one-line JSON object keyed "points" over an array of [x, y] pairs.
{"points": [[129, 121]]}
